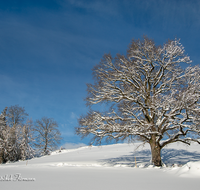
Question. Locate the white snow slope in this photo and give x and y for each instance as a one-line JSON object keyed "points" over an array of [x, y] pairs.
{"points": [[109, 167]]}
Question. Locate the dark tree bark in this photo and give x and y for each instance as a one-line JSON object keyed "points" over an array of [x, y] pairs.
{"points": [[155, 152]]}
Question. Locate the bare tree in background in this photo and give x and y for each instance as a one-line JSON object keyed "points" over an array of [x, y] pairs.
{"points": [[16, 115], [15, 135], [26, 140], [47, 135], [151, 97], [3, 135]]}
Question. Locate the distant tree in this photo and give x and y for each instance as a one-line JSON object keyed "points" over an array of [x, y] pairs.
{"points": [[26, 141], [15, 135], [47, 135], [3, 135], [151, 98], [13, 150], [16, 115]]}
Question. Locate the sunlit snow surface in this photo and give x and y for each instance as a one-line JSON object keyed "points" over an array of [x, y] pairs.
{"points": [[119, 166]]}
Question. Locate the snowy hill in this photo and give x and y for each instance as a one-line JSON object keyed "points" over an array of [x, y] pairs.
{"points": [[119, 166]]}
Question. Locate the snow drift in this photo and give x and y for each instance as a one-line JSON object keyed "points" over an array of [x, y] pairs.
{"points": [[115, 166]]}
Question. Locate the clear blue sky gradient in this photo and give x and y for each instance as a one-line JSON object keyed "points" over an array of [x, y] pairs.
{"points": [[48, 48]]}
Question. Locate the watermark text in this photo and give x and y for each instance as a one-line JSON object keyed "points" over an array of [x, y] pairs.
{"points": [[15, 177]]}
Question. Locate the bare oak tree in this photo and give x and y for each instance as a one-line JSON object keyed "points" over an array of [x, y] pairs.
{"points": [[151, 97], [47, 135]]}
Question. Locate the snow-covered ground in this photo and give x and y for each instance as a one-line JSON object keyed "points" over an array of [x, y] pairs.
{"points": [[105, 168]]}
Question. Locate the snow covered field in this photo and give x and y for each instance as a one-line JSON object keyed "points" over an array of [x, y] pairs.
{"points": [[106, 167]]}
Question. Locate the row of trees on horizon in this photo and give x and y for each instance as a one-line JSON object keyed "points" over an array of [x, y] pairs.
{"points": [[21, 138]]}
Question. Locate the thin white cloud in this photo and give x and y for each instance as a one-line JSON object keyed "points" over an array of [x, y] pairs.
{"points": [[73, 115], [73, 145], [102, 7]]}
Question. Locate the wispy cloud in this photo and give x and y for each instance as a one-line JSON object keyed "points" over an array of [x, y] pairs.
{"points": [[73, 145], [73, 116], [104, 7]]}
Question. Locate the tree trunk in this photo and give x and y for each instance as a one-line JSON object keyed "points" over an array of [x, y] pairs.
{"points": [[1, 156], [155, 152]]}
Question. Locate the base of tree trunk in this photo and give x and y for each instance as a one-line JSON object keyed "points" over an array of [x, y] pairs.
{"points": [[1, 157], [156, 154]]}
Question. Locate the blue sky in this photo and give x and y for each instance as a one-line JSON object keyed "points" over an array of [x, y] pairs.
{"points": [[48, 48]]}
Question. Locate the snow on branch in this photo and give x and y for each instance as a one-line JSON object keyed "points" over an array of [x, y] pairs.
{"points": [[152, 97]]}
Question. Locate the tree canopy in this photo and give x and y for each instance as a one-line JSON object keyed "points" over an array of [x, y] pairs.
{"points": [[151, 96]]}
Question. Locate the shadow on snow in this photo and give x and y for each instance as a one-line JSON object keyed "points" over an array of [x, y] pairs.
{"points": [[143, 158]]}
